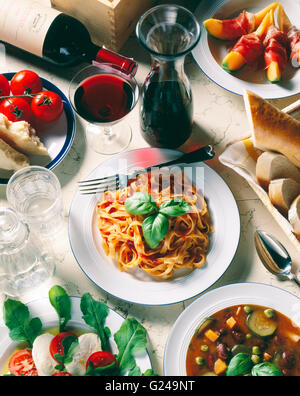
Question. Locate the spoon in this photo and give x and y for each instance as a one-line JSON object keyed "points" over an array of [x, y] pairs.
{"points": [[274, 256]]}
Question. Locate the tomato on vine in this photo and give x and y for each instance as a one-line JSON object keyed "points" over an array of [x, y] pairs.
{"points": [[16, 109], [47, 106]]}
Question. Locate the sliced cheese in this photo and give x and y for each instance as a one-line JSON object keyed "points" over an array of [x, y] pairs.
{"points": [[10, 159], [21, 136]]}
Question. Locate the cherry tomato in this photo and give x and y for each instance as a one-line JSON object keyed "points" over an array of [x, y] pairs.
{"points": [[62, 374], [101, 359], [16, 109], [56, 344], [26, 82], [4, 86], [47, 106], [21, 363]]}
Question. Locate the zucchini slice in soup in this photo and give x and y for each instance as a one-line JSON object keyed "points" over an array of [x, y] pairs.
{"points": [[260, 325]]}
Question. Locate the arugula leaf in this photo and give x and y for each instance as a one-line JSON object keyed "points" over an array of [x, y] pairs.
{"points": [[130, 339], [240, 364], [69, 345], [266, 369], [174, 208], [155, 228], [22, 327], [140, 204], [61, 302], [95, 314]]}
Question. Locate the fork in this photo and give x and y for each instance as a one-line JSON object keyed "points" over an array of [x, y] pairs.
{"points": [[118, 181]]}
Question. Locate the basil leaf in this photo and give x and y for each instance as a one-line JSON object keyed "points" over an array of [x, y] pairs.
{"points": [[130, 339], [266, 370], [155, 228], [95, 314], [239, 365], [140, 204], [22, 327], [61, 302], [175, 208]]}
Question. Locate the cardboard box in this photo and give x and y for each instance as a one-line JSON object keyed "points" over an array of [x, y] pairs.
{"points": [[110, 22]]}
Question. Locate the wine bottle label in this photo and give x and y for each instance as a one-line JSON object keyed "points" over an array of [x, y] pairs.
{"points": [[25, 23]]}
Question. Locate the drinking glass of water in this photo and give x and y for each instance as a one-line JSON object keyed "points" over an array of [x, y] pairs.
{"points": [[35, 194]]}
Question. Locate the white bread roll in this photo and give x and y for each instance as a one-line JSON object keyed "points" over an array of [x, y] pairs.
{"points": [[294, 216], [282, 193], [21, 136], [272, 129], [10, 159], [271, 166]]}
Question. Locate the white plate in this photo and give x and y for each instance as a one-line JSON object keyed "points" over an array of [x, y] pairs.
{"points": [[214, 301], [137, 287], [44, 310], [57, 137], [210, 52]]}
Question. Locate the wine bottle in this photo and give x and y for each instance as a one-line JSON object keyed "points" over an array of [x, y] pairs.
{"points": [[53, 35]]}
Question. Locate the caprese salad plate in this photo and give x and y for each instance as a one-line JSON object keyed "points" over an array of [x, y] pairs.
{"points": [[57, 137], [211, 51], [70, 336]]}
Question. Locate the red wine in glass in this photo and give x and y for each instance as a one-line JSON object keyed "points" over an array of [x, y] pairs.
{"points": [[104, 98]]}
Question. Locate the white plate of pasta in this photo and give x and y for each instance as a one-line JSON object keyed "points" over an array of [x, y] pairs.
{"points": [[161, 240]]}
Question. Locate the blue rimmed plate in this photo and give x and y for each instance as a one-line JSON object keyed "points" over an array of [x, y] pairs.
{"points": [[57, 137], [210, 52], [135, 286], [216, 300]]}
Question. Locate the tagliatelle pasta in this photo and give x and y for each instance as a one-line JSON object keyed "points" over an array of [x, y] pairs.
{"points": [[187, 242]]}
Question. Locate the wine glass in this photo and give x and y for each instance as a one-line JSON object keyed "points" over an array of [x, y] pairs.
{"points": [[104, 95]]}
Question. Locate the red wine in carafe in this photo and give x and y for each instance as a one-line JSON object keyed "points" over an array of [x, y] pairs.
{"points": [[166, 114], [104, 98]]}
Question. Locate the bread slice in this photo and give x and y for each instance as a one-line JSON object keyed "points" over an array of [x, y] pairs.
{"points": [[271, 166], [21, 136], [10, 159], [272, 129], [282, 193], [294, 216]]}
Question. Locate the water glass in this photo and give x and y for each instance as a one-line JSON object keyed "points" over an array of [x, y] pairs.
{"points": [[35, 194], [25, 262]]}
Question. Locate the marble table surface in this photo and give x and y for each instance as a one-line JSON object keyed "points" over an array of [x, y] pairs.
{"points": [[220, 119]]}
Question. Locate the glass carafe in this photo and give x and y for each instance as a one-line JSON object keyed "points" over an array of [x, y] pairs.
{"points": [[168, 33], [24, 261]]}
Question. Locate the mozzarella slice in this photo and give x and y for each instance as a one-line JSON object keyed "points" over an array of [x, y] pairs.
{"points": [[43, 360], [88, 344]]}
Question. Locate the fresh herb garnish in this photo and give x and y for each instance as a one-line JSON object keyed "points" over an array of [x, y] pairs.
{"points": [[94, 315], [61, 302], [22, 327], [156, 226], [69, 345], [130, 339], [266, 369], [140, 204], [239, 365]]}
